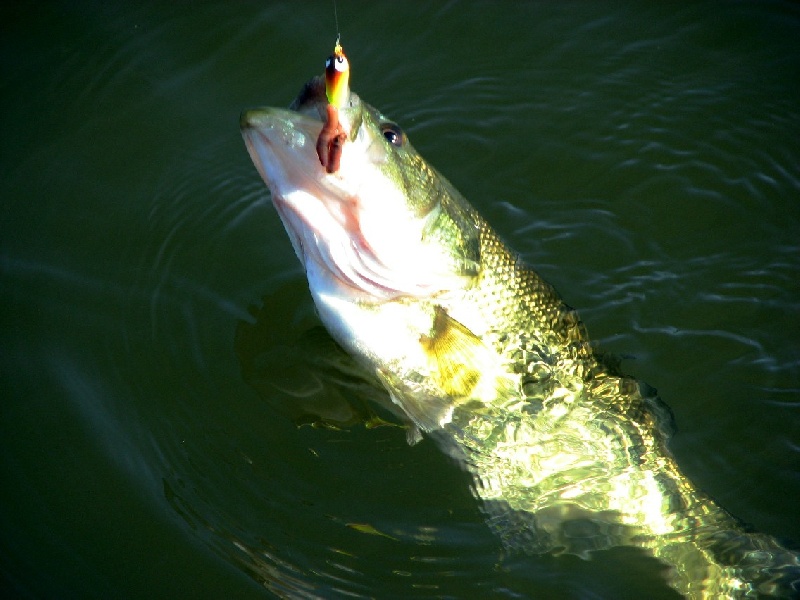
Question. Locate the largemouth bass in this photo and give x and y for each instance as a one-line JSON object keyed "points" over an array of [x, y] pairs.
{"points": [[482, 355]]}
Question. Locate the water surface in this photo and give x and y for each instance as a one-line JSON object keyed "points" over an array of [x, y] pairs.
{"points": [[160, 353]]}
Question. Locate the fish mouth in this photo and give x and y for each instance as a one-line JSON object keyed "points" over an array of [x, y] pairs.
{"points": [[351, 228], [319, 211]]}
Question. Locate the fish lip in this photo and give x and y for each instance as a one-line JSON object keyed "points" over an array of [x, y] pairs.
{"points": [[245, 119], [277, 140], [258, 117], [279, 123]]}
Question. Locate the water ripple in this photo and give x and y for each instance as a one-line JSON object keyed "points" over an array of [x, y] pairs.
{"points": [[645, 161]]}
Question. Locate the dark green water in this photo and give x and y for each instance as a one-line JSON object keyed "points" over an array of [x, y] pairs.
{"points": [[645, 157]]}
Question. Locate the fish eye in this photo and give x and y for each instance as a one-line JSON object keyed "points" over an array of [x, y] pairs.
{"points": [[394, 134]]}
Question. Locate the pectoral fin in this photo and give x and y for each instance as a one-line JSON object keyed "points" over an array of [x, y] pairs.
{"points": [[457, 360], [426, 411], [456, 356]]}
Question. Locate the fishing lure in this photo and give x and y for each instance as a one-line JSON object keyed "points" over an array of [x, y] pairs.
{"points": [[337, 76], [337, 89]]}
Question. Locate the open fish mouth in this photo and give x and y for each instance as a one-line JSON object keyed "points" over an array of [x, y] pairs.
{"points": [[320, 212], [355, 225], [316, 210]]}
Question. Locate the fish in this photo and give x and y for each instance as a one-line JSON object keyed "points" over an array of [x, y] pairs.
{"points": [[481, 355]]}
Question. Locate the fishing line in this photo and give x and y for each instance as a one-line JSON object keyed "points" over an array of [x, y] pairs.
{"points": [[336, 20]]}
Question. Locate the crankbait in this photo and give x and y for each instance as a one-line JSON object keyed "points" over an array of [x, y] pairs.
{"points": [[337, 89]]}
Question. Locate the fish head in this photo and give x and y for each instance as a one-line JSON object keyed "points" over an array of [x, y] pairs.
{"points": [[387, 244], [384, 225]]}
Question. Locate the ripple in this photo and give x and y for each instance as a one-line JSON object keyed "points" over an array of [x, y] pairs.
{"points": [[645, 161]]}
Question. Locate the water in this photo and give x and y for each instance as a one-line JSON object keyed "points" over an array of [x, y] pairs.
{"points": [[645, 158]]}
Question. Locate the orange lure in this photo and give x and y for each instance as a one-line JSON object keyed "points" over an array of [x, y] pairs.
{"points": [[337, 89]]}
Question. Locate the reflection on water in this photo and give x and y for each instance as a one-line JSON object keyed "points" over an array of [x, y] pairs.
{"points": [[646, 161]]}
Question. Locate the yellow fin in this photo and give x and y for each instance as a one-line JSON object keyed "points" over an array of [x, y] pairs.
{"points": [[457, 356]]}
